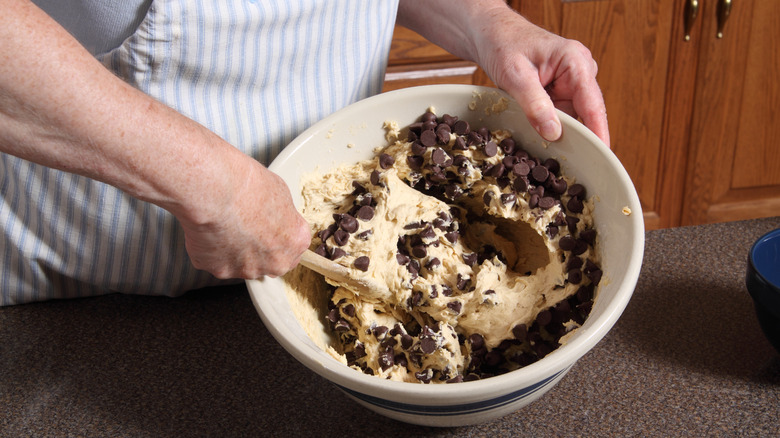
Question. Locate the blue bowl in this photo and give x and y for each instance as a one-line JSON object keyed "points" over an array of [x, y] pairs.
{"points": [[763, 283]]}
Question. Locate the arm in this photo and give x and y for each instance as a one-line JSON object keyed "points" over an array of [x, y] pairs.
{"points": [[540, 70], [60, 108]]}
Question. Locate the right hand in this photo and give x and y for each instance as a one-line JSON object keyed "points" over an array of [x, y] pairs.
{"points": [[259, 232]]}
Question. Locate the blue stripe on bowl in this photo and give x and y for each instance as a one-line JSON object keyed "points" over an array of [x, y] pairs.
{"points": [[461, 409]]}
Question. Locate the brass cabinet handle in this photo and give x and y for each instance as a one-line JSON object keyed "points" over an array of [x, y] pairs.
{"points": [[724, 9], [691, 11]]}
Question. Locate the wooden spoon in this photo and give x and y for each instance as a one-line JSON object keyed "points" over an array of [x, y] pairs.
{"points": [[365, 287]]}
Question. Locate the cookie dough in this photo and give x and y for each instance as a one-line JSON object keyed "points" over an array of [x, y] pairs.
{"points": [[488, 253]]}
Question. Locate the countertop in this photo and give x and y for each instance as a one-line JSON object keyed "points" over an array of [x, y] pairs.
{"points": [[686, 358]]}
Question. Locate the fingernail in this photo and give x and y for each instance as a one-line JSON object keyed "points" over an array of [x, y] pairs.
{"points": [[550, 130]]}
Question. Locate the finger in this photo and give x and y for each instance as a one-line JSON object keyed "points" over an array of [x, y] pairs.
{"points": [[588, 103], [527, 89]]}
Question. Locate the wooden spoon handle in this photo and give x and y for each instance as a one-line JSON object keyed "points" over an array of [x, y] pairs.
{"points": [[365, 287]]}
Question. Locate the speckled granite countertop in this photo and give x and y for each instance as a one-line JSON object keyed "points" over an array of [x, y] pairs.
{"points": [[687, 358]]}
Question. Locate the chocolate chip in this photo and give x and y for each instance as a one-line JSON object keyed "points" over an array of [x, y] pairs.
{"points": [[496, 171], [508, 145], [521, 168], [580, 247], [460, 144], [428, 116], [415, 162], [401, 259], [333, 315], [487, 197], [574, 263], [552, 165], [428, 138], [453, 191], [546, 202], [473, 138], [491, 149], [337, 253], [424, 376], [520, 184], [348, 223], [428, 232], [540, 174], [366, 213], [321, 250], [567, 243], [386, 161], [362, 262], [456, 379], [558, 185], [341, 237], [508, 198], [364, 235], [419, 251], [417, 297], [413, 267], [595, 276], [470, 259], [589, 236], [574, 276], [461, 127], [477, 341], [406, 341], [575, 205], [428, 345], [484, 133], [543, 318], [443, 134], [341, 325], [571, 223], [418, 148], [452, 236], [374, 178], [386, 359], [463, 282], [433, 263], [455, 306], [439, 156], [379, 331], [449, 119], [533, 201], [520, 331], [577, 190]]}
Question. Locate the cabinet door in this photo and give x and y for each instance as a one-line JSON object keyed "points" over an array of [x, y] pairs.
{"points": [[632, 42], [734, 170]]}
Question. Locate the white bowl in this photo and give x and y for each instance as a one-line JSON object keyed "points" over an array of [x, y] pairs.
{"points": [[351, 135]]}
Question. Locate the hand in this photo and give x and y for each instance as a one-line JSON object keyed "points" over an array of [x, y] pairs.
{"points": [[543, 71], [259, 231]]}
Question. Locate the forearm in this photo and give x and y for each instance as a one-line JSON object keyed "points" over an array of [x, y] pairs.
{"points": [[59, 107], [453, 24]]}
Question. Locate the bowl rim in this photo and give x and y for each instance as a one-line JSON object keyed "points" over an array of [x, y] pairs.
{"points": [[559, 360]]}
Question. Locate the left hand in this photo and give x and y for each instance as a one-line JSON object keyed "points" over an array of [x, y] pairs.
{"points": [[541, 70]]}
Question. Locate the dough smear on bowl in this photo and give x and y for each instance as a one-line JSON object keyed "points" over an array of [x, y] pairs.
{"points": [[489, 254]]}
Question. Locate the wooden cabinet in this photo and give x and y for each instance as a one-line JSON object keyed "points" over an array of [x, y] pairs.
{"points": [[415, 61], [694, 122]]}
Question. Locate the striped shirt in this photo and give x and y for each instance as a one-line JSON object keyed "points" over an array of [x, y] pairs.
{"points": [[256, 72]]}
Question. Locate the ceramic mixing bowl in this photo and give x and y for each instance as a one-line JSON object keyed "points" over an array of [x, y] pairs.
{"points": [[351, 135]]}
